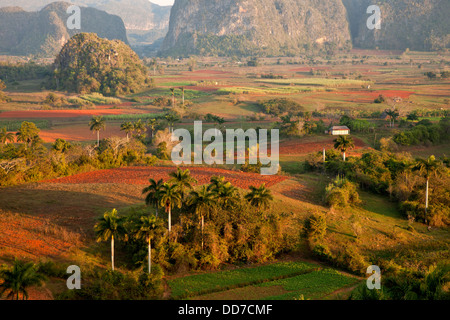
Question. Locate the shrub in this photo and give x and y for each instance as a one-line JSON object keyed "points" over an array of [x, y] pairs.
{"points": [[341, 193], [315, 226]]}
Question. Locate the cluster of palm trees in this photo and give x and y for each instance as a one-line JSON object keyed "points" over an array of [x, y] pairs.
{"points": [[178, 192], [137, 127], [27, 134], [172, 91], [393, 115]]}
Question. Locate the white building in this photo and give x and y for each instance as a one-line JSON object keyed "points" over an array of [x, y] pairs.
{"points": [[339, 131]]}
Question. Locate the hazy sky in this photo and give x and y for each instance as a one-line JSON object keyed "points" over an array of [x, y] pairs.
{"points": [[163, 2]]}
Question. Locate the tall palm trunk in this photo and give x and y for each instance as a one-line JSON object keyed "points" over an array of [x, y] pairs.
{"points": [[98, 138], [344, 156], [426, 194], [149, 256], [203, 226], [112, 252], [170, 218]]}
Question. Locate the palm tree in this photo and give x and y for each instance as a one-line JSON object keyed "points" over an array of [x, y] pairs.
{"points": [[182, 179], [172, 90], [20, 277], [154, 64], [170, 197], [428, 168], [152, 125], [109, 227], [217, 183], [344, 143], [259, 197], [224, 191], [182, 94], [202, 201], [140, 127], [97, 124], [171, 119], [6, 136], [128, 127], [393, 115], [148, 227], [153, 193]]}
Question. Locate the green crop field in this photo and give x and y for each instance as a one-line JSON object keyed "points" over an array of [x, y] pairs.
{"points": [[225, 280]]}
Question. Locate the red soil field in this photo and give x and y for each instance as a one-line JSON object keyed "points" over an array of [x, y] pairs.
{"points": [[296, 147], [211, 72], [27, 236], [79, 133], [62, 113], [141, 175]]}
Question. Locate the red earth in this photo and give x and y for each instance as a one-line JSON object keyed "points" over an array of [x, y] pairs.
{"points": [[63, 113], [297, 147], [141, 176], [79, 133]]}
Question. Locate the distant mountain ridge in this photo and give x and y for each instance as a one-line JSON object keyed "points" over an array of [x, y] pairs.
{"points": [[243, 27], [43, 33], [274, 27], [145, 21]]}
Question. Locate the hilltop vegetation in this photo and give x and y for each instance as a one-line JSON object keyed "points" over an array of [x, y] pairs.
{"points": [[88, 63]]}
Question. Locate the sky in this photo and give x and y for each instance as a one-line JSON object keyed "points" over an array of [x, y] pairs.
{"points": [[163, 2]]}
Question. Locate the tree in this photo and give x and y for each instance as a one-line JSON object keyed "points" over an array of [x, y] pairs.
{"points": [[28, 133], [412, 116], [182, 179], [182, 94], [128, 127], [428, 168], [393, 115], [344, 143], [140, 128], [97, 124], [6, 136], [152, 125], [148, 228], [170, 197], [154, 64], [110, 226], [171, 119], [172, 90], [61, 145], [202, 201], [153, 193], [224, 192], [19, 278], [3, 97], [259, 197]]}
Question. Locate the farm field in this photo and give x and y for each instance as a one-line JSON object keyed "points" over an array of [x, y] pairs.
{"points": [[141, 175], [50, 214]]}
